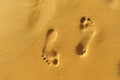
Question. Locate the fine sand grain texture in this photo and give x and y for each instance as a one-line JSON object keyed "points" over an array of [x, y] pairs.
{"points": [[59, 39]]}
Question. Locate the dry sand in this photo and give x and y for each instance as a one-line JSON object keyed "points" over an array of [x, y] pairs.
{"points": [[59, 39]]}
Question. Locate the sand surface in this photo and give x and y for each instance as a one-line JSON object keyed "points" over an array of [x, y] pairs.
{"points": [[59, 39]]}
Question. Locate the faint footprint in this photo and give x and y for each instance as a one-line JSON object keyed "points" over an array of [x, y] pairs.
{"points": [[49, 55], [88, 30]]}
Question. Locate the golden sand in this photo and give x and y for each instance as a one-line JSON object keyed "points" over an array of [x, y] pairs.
{"points": [[59, 39]]}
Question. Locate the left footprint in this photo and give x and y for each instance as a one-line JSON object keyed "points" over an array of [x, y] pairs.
{"points": [[49, 55]]}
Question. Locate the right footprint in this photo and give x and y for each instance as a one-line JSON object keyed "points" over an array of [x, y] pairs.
{"points": [[87, 30], [49, 54]]}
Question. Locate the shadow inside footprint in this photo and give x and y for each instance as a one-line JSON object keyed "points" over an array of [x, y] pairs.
{"points": [[83, 19], [55, 61], [80, 49], [53, 53], [50, 31]]}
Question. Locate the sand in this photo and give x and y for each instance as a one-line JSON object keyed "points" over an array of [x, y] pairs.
{"points": [[59, 40]]}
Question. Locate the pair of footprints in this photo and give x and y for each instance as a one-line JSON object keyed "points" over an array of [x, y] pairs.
{"points": [[51, 56]]}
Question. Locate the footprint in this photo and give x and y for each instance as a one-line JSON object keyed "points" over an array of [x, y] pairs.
{"points": [[88, 30], [49, 55]]}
